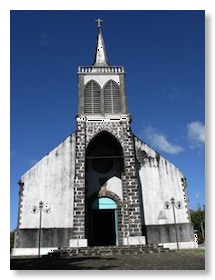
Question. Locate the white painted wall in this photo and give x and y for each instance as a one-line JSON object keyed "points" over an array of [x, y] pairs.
{"points": [[51, 180], [160, 180]]}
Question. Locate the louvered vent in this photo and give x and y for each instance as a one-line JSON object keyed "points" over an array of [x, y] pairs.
{"points": [[92, 98], [112, 100]]}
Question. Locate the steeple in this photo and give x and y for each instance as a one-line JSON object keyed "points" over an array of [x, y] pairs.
{"points": [[101, 86], [100, 53]]}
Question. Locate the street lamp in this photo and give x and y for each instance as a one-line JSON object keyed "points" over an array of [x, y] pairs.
{"points": [[177, 205], [35, 209]]}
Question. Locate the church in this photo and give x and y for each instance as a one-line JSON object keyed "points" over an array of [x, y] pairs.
{"points": [[102, 186]]}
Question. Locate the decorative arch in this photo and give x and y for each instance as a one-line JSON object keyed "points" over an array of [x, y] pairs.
{"points": [[92, 98], [100, 194], [112, 98], [92, 132], [108, 133]]}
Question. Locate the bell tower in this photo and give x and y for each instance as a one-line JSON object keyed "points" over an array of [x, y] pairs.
{"points": [[103, 136]]}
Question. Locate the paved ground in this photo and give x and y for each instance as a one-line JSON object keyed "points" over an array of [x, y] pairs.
{"points": [[182, 260]]}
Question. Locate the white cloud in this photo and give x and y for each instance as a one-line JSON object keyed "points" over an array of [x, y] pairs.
{"points": [[196, 133], [197, 195], [159, 141], [44, 39], [173, 92]]}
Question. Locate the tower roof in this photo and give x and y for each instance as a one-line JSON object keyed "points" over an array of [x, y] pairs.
{"points": [[100, 53]]}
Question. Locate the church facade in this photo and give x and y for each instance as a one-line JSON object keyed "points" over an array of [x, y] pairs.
{"points": [[102, 185]]}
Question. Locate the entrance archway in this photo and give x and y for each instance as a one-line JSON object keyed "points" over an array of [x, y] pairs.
{"points": [[104, 222]]}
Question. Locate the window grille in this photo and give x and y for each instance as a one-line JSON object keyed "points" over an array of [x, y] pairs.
{"points": [[112, 101], [92, 98]]}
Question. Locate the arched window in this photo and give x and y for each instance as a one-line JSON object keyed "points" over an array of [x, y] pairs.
{"points": [[92, 98], [112, 100], [104, 155]]}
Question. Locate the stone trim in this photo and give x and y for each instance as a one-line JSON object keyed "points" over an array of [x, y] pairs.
{"points": [[184, 190], [21, 194], [79, 184], [100, 70]]}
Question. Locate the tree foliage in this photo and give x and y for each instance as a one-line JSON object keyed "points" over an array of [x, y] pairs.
{"points": [[198, 220]]}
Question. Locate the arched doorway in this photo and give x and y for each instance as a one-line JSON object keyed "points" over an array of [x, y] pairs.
{"points": [[103, 190], [104, 222]]}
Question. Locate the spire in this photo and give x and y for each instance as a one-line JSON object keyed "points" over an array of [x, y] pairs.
{"points": [[100, 54]]}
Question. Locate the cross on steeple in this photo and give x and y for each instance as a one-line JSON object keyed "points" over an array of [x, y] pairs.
{"points": [[99, 22], [100, 54]]}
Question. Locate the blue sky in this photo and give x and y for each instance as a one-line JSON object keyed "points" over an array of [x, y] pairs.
{"points": [[163, 55]]}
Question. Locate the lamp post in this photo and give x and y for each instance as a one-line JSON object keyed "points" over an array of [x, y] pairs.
{"points": [[35, 209], [40, 221], [177, 205]]}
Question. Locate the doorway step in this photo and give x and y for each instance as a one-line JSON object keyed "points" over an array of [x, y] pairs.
{"points": [[108, 250]]}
